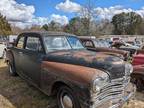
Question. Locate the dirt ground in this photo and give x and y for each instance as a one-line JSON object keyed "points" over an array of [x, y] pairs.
{"points": [[16, 93]]}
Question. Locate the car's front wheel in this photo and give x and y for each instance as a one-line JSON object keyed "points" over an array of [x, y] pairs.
{"points": [[66, 98]]}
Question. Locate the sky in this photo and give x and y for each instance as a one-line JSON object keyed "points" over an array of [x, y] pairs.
{"points": [[25, 13]]}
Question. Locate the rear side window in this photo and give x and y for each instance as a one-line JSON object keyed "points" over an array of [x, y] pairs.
{"points": [[33, 44], [20, 43]]}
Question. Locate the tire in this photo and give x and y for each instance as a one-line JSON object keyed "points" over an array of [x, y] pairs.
{"points": [[12, 69], [66, 98], [139, 85]]}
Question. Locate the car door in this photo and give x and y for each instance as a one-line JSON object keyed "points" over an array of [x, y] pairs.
{"points": [[17, 51], [32, 57]]}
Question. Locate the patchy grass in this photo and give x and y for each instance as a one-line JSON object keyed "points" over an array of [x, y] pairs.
{"points": [[16, 93]]}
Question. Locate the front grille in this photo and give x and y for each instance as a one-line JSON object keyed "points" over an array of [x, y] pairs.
{"points": [[117, 71], [112, 90]]}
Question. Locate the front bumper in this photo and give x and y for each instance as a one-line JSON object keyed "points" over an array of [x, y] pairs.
{"points": [[129, 92]]}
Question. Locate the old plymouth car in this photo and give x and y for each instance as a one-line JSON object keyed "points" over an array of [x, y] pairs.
{"points": [[59, 65], [103, 47]]}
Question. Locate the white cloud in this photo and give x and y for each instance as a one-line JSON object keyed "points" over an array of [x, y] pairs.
{"points": [[40, 20], [60, 19], [108, 13], [16, 12], [68, 6], [22, 15]]}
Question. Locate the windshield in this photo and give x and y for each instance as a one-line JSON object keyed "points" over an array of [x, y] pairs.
{"points": [[101, 43], [54, 43], [74, 42]]}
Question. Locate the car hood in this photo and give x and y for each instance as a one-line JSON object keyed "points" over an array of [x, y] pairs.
{"points": [[113, 65]]}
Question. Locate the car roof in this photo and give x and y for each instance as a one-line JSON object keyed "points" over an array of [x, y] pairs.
{"points": [[49, 33]]}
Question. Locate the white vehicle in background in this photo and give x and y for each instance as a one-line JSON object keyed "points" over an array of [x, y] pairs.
{"points": [[3, 40], [6, 41], [2, 49]]}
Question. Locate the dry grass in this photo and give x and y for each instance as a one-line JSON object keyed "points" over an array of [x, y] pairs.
{"points": [[16, 93]]}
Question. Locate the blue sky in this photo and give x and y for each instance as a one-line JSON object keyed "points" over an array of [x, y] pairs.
{"points": [[26, 13], [44, 8]]}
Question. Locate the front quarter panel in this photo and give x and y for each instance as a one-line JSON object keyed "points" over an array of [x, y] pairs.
{"points": [[79, 78]]}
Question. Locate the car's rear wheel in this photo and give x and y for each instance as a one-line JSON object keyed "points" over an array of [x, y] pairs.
{"points": [[66, 98], [12, 69]]}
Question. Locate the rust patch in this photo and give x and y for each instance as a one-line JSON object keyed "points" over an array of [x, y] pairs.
{"points": [[74, 73]]}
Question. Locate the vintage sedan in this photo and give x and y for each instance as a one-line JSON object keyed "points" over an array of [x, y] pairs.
{"points": [[103, 47], [58, 64]]}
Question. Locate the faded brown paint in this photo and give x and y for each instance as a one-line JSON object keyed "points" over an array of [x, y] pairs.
{"points": [[76, 73], [85, 55]]}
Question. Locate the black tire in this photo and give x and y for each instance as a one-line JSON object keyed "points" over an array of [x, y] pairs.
{"points": [[139, 85], [12, 69], [63, 93]]}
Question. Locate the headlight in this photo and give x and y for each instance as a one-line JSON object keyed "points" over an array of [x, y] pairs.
{"points": [[128, 69], [100, 81]]}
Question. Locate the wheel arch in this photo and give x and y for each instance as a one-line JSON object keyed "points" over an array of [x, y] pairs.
{"points": [[57, 85]]}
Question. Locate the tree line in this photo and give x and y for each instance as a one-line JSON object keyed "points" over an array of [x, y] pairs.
{"points": [[121, 24]]}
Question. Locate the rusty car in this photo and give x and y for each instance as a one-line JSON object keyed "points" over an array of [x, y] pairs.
{"points": [[59, 65], [137, 77], [103, 47], [121, 45]]}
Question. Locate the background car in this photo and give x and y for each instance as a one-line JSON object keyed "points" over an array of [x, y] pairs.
{"points": [[103, 46], [125, 46], [2, 49]]}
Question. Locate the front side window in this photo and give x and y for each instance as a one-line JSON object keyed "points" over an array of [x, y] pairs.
{"points": [[20, 43], [34, 44], [75, 43]]}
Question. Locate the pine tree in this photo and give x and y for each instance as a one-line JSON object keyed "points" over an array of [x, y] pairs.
{"points": [[5, 28]]}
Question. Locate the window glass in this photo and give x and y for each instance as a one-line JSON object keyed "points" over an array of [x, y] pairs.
{"points": [[20, 43], [75, 43], [33, 43], [54, 43], [88, 44]]}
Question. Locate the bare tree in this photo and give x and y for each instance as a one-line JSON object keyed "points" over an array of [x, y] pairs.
{"points": [[90, 15]]}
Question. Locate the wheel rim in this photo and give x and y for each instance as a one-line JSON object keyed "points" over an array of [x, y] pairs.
{"points": [[66, 101], [10, 69]]}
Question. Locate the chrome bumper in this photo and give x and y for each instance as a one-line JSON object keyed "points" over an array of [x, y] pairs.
{"points": [[129, 92]]}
